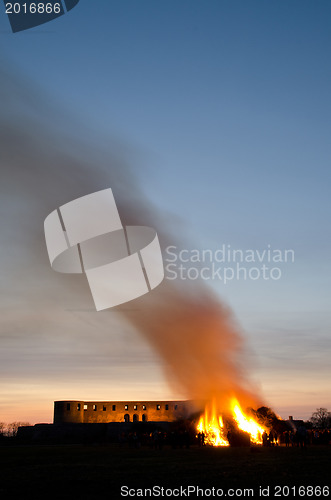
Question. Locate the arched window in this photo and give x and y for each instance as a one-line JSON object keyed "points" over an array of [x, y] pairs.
{"points": [[144, 418], [126, 417], [135, 418]]}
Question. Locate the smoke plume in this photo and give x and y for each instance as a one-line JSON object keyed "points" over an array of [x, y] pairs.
{"points": [[44, 165]]}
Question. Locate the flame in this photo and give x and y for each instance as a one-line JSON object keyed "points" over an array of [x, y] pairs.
{"points": [[247, 424], [212, 425]]}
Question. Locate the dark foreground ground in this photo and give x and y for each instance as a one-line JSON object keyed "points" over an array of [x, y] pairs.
{"points": [[98, 471]]}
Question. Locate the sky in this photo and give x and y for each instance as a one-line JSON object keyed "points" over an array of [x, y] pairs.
{"points": [[218, 114]]}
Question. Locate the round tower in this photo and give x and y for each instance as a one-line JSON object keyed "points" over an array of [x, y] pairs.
{"points": [[68, 412]]}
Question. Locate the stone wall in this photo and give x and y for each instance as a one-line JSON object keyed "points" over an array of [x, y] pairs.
{"points": [[120, 411]]}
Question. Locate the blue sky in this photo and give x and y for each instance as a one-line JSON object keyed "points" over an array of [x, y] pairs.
{"points": [[223, 111]]}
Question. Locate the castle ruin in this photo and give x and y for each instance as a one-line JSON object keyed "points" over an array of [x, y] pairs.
{"points": [[95, 412]]}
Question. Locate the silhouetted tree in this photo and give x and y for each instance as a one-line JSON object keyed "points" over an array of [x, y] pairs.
{"points": [[268, 419], [321, 418], [12, 428]]}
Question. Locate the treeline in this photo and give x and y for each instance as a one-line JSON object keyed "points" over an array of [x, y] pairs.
{"points": [[321, 419], [10, 430]]}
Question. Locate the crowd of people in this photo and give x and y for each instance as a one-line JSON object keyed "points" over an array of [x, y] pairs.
{"points": [[297, 437], [157, 439]]}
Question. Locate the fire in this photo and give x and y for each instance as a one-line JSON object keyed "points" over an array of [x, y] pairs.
{"points": [[247, 424], [212, 425]]}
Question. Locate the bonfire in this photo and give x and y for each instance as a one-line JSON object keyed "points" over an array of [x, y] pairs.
{"points": [[212, 424]]}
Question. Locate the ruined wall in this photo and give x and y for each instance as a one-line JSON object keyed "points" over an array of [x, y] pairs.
{"points": [[120, 411]]}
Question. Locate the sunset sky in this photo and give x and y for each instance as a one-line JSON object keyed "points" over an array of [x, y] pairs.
{"points": [[217, 115]]}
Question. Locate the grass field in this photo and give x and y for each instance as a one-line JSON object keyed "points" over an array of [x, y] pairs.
{"points": [[79, 471]]}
